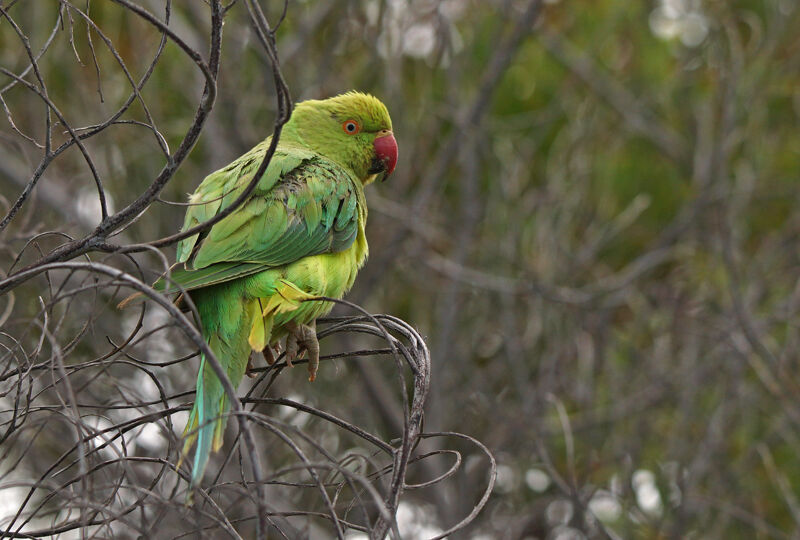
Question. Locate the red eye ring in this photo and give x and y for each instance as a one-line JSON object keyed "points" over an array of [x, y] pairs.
{"points": [[351, 127]]}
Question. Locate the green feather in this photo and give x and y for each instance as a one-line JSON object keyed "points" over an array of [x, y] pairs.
{"points": [[299, 235]]}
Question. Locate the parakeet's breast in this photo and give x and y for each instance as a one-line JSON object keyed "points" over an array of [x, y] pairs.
{"points": [[329, 274]]}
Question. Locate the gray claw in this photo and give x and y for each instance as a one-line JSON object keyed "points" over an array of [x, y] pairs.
{"points": [[303, 338]]}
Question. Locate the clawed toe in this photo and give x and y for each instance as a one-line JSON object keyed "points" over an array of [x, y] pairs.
{"points": [[303, 338], [292, 349], [251, 368], [270, 354]]}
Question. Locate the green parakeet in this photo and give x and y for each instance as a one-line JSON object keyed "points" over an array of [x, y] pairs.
{"points": [[299, 235]]}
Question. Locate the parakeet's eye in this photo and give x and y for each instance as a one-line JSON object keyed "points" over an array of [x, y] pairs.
{"points": [[351, 127]]}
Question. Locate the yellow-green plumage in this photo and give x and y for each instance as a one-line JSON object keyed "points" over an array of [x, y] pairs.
{"points": [[300, 235]]}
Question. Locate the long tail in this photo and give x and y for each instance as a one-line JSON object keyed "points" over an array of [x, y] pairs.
{"points": [[232, 327], [226, 323], [206, 422]]}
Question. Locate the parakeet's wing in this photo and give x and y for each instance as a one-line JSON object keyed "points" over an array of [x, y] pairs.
{"points": [[303, 205]]}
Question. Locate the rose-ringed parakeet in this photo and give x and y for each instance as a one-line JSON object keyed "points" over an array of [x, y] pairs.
{"points": [[299, 235]]}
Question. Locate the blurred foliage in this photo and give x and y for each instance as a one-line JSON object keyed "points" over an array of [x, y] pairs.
{"points": [[613, 234]]}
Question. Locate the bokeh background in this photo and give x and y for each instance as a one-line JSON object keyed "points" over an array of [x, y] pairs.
{"points": [[593, 223]]}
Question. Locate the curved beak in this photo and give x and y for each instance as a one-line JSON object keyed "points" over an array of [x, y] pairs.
{"points": [[385, 153]]}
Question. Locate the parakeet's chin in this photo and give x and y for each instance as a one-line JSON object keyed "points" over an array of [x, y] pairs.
{"points": [[377, 176]]}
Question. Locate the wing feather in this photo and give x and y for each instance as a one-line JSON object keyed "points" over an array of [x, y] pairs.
{"points": [[303, 205]]}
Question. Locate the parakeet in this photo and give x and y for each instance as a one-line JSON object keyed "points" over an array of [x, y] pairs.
{"points": [[299, 235]]}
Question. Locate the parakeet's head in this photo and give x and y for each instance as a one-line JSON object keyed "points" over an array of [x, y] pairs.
{"points": [[353, 129]]}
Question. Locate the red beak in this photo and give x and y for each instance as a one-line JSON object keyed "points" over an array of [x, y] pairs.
{"points": [[386, 151]]}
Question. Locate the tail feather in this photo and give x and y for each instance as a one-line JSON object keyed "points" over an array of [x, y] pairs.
{"points": [[225, 325], [210, 422], [232, 328], [206, 425]]}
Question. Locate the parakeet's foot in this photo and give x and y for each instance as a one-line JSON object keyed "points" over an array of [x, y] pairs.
{"points": [[251, 368], [270, 353], [303, 338]]}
